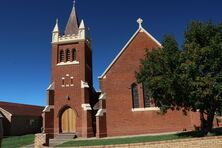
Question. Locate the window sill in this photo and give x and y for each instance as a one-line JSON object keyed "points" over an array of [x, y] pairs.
{"points": [[145, 109], [68, 63]]}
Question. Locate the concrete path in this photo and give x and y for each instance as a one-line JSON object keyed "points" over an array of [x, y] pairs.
{"points": [[54, 142]]}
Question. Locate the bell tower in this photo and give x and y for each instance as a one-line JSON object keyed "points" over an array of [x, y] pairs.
{"points": [[70, 95]]}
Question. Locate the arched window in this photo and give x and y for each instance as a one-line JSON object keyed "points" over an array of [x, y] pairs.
{"points": [[146, 96], [135, 95], [67, 55], [61, 56], [73, 54]]}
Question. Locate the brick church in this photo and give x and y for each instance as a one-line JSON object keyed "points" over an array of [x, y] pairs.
{"points": [[121, 107]]}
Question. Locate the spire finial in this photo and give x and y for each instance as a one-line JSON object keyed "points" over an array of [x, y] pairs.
{"points": [[74, 3], [140, 21], [56, 28]]}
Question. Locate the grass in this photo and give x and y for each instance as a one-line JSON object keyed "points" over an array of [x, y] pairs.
{"points": [[18, 141], [117, 141], [129, 140]]}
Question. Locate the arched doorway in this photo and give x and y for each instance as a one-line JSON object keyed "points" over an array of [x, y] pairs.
{"points": [[68, 121]]}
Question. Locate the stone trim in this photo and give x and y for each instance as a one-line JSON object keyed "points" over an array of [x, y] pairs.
{"points": [[82, 35], [68, 63], [145, 109], [102, 96], [48, 108], [100, 112], [84, 84], [86, 107], [51, 86]]}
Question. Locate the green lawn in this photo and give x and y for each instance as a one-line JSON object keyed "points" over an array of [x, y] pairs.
{"points": [[119, 140], [18, 141], [139, 139]]}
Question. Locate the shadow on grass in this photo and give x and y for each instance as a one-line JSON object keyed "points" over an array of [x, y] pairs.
{"points": [[191, 134], [195, 134]]}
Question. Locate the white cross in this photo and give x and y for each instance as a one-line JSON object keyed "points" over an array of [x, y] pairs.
{"points": [[140, 21]]}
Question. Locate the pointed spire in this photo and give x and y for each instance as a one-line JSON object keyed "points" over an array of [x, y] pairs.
{"points": [[82, 25], [56, 28], [72, 26]]}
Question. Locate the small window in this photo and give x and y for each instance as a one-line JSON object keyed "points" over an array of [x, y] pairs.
{"points": [[73, 54], [135, 95], [71, 81], [61, 57], [63, 81], [67, 55], [146, 96]]}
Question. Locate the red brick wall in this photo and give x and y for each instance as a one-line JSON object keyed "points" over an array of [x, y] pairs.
{"points": [[117, 86], [101, 126], [48, 119]]}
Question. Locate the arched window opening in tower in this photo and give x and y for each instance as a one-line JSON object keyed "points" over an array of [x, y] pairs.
{"points": [[61, 57], [74, 54], [67, 55]]}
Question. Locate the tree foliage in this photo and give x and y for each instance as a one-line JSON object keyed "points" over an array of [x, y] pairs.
{"points": [[190, 78]]}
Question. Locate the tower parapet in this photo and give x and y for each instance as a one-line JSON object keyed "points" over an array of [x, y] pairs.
{"points": [[82, 35], [73, 32]]}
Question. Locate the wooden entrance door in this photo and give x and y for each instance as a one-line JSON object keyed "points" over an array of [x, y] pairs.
{"points": [[68, 121]]}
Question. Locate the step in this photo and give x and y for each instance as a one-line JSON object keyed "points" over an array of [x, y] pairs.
{"points": [[66, 136], [55, 142]]}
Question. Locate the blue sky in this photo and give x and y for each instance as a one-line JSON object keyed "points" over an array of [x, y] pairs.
{"points": [[26, 25]]}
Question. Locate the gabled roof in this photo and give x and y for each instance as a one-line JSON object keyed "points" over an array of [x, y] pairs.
{"points": [[16, 109], [140, 29], [72, 26]]}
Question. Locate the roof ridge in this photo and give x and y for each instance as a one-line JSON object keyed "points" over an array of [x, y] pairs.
{"points": [[15, 103]]}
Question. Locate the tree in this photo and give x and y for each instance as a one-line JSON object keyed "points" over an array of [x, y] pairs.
{"points": [[189, 79]]}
